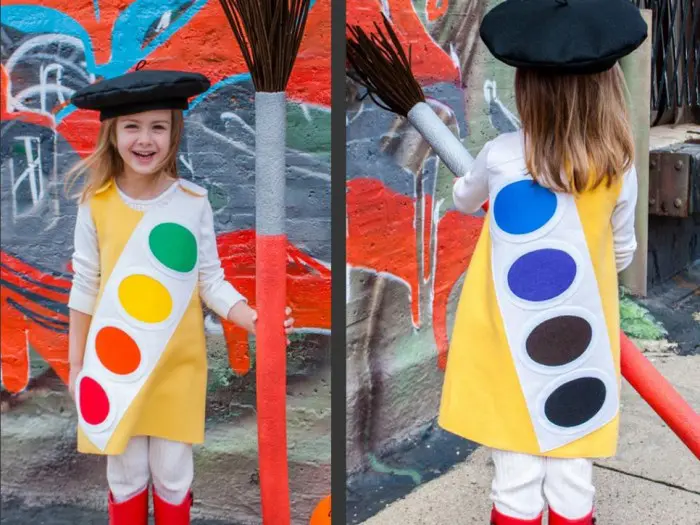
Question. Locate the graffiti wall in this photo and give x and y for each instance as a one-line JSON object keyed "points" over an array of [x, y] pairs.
{"points": [[408, 248], [49, 49]]}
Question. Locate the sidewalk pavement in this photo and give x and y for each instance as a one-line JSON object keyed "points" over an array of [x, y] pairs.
{"points": [[653, 480]]}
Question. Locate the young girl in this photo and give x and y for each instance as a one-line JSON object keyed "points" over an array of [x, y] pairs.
{"points": [[145, 252], [533, 370]]}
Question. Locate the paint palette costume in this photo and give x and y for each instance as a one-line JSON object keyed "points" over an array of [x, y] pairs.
{"points": [[133, 340], [144, 367], [534, 358]]}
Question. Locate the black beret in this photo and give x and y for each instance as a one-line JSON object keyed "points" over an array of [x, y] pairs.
{"points": [[563, 36], [139, 91]]}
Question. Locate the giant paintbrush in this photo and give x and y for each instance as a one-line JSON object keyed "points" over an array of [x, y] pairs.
{"points": [[379, 63], [269, 34]]}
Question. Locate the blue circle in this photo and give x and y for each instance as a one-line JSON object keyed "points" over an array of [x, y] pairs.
{"points": [[542, 275], [524, 207]]}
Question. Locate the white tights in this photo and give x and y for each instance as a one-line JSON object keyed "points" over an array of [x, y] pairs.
{"points": [[169, 463], [522, 483]]}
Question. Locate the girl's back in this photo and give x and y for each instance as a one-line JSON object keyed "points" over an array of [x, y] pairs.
{"points": [[534, 358]]}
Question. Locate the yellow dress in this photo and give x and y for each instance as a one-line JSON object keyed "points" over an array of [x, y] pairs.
{"points": [[145, 368], [507, 364]]}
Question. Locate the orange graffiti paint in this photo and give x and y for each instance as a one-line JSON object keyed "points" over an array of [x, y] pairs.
{"points": [[382, 238], [190, 49], [436, 8], [382, 235], [457, 236], [429, 63], [308, 289], [32, 306]]}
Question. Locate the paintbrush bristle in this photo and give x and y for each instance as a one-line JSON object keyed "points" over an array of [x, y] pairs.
{"points": [[269, 33], [379, 63]]}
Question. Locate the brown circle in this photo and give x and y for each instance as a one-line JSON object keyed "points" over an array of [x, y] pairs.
{"points": [[559, 341]]}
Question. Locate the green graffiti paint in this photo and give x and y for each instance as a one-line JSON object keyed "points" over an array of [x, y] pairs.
{"points": [[382, 468], [174, 246]]}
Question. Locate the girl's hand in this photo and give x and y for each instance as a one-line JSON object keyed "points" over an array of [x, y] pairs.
{"points": [[246, 317], [288, 322], [74, 371], [243, 315]]}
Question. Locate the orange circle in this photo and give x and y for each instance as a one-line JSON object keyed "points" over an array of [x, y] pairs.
{"points": [[117, 351], [322, 512]]}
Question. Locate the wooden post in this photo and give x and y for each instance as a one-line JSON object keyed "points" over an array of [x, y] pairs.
{"points": [[637, 70]]}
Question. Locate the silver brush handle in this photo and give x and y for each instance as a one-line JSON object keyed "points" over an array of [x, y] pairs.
{"points": [[270, 169], [448, 147]]}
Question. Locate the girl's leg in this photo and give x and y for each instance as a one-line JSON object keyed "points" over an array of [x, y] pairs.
{"points": [[127, 476], [127, 473], [172, 469], [568, 488], [516, 490]]}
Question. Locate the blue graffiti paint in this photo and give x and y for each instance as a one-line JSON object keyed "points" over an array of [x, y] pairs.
{"points": [[132, 25], [128, 34], [39, 19], [96, 5]]}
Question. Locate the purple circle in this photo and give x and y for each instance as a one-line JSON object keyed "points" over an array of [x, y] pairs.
{"points": [[542, 275]]}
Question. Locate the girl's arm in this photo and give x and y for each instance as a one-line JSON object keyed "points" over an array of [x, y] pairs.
{"points": [[77, 337], [471, 191], [624, 239], [84, 288], [217, 293]]}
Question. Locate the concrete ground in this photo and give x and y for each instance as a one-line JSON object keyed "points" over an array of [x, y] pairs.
{"points": [[45, 481], [15, 512], [653, 480]]}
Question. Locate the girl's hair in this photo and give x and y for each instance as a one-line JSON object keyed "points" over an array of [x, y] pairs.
{"points": [[105, 163], [576, 128]]}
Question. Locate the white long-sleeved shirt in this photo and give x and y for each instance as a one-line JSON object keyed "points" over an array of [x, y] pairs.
{"points": [[217, 293], [472, 190]]}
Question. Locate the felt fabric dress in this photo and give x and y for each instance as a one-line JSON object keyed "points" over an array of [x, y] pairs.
{"points": [[145, 368], [533, 366]]}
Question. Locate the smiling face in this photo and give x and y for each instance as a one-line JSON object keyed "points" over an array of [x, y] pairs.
{"points": [[144, 140]]}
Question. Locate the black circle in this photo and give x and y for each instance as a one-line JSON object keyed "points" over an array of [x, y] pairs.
{"points": [[559, 340], [575, 402]]}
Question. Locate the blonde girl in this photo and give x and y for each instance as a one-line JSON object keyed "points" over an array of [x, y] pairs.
{"points": [[145, 259], [533, 370]]}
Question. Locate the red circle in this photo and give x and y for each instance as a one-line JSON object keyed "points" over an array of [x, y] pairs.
{"points": [[94, 404]]}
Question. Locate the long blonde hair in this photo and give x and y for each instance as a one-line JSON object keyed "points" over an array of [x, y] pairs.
{"points": [[105, 163], [576, 127]]}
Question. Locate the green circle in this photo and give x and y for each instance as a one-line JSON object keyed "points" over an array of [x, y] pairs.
{"points": [[174, 246]]}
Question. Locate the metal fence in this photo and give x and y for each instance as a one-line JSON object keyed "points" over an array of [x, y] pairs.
{"points": [[675, 83]]}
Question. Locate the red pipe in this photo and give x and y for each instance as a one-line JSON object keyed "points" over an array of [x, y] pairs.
{"points": [[660, 395], [271, 375]]}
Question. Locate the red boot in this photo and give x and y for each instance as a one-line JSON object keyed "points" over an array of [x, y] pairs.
{"points": [[169, 514], [501, 519], [133, 511], [556, 519]]}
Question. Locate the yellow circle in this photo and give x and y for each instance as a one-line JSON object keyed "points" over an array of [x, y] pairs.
{"points": [[145, 299], [322, 513]]}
